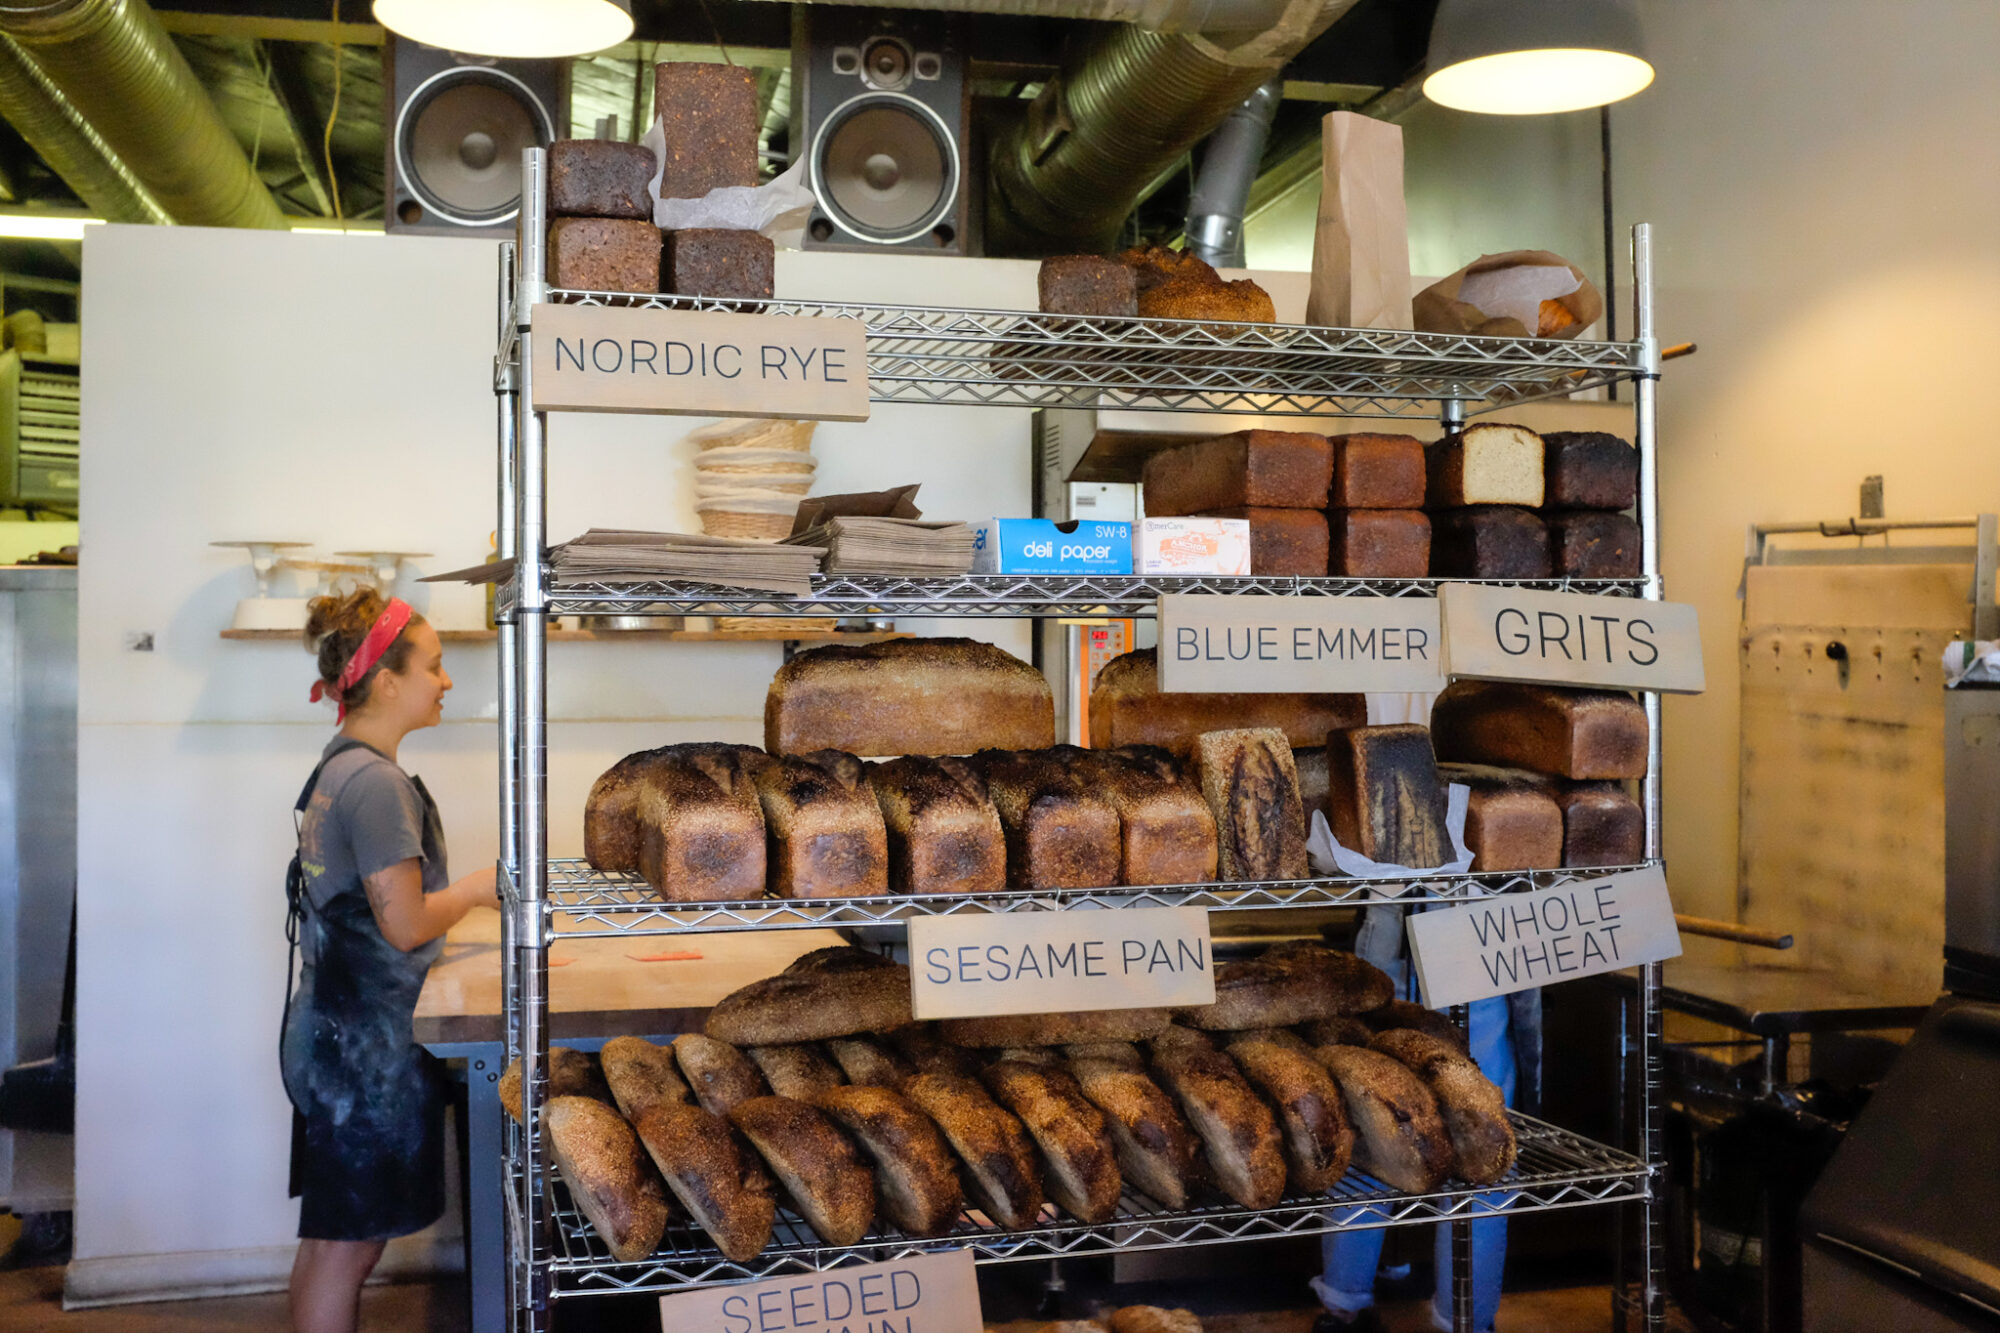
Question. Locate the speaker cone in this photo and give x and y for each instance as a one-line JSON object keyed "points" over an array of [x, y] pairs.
{"points": [[458, 142], [886, 167]]}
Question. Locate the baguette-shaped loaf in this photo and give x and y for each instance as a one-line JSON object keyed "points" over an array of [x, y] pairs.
{"points": [[1250, 785], [720, 1075], [1588, 469], [799, 1069], [817, 1165], [1569, 733], [908, 696], [1127, 708], [1238, 1134], [1474, 1110], [944, 834], [1286, 985], [1344, 1030], [1400, 1138], [642, 1076], [869, 1063], [1602, 825], [1080, 1160], [1384, 797], [1055, 1029], [571, 1074], [722, 1186], [1157, 1152], [1491, 463], [1404, 1014], [1318, 1139], [823, 837], [1512, 821], [1061, 833], [812, 1006], [1000, 1163], [701, 829], [1166, 830], [916, 1177], [1267, 468], [927, 1053], [608, 1176]]}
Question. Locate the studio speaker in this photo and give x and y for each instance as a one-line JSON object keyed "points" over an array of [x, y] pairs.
{"points": [[879, 110], [455, 131]]}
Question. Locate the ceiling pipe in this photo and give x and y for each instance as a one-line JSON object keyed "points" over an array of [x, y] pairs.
{"points": [[1228, 168], [64, 140], [113, 62], [1160, 15]]}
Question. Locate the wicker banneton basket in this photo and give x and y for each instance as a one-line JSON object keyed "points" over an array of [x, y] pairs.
{"points": [[750, 476]]}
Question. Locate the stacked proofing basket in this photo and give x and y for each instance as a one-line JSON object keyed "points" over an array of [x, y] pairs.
{"points": [[750, 475]]}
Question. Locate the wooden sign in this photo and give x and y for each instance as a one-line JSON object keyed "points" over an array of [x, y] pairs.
{"points": [[1521, 940], [699, 363], [1057, 962], [1299, 645], [1562, 638], [925, 1293]]}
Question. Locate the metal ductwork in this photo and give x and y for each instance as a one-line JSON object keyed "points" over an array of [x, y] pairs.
{"points": [[1208, 16], [1228, 168], [1127, 103], [54, 129], [114, 64]]}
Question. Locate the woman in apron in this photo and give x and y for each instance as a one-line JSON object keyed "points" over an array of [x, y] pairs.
{"points": [[374, 901]]}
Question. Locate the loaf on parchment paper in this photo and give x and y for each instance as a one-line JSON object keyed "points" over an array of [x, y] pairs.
{"points": [[1276, 469], [799, 1069], [1286, 985], [1318, 1141], [812, 1006], [908, 696], [1566, 732], [709, 113], [642, 1075], [608, 1176], [719, 1074], [1079, 1159], [1001, 1167], [823, 836], [944, 834], [818, 1166], [1061, 833], [916, 1177], [1252, 789], [1238, 1133], [1400, 1138], [571, 1074], [1127, 708], [1512, 821], [1487, 464], [1384, 797], [1474, 1110], [1157, 1152], [722, 1185], [1166, 830]]}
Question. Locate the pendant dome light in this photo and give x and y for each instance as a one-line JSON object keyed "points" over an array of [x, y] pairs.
{"points": [[522, 29], [1531, 57]]}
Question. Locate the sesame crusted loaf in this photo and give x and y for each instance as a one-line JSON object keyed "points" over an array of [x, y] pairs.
{"points": [[1157, 1152], [1250, 785], [1566, 732], [1474, 1111], [1238, 1134], [1391, 1016], [908, 696], [1127, 708], [1275, 469], [1061, 833], [608, 1176], [812, 1006], [571, 1074], [944, 834], [823, 835], [817, 1165], [1166, 830]]}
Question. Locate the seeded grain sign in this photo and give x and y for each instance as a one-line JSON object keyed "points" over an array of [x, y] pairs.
{"points": [[924, 1293]]}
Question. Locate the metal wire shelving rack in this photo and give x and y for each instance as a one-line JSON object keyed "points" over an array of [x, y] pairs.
{"points": [[1016, 359]]}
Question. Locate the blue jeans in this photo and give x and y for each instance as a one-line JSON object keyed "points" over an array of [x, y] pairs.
{"points": [[1349, 1259]]}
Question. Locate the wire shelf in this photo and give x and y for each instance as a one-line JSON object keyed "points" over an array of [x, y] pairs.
{"points": [[1015, 595], [1014, 358], [1556, 1169], [583, 902]]}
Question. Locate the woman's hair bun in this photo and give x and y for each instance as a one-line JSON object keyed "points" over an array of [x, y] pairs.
{"points": [[335, 627]]}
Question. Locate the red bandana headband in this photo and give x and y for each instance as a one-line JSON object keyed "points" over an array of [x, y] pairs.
{"points": [[373, 644]]}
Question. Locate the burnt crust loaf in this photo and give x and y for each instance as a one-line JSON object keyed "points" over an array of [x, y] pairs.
{"points": [[1318, 1141], [1276, 469], [1251, 787], [908, 697], [1512, 821], [1384, 797], [1080, 1162], [1166, 830], [609, 1177], [1061, 834], [1127, 708], [1001, 1168], [944, 834], [1176, 284], [1593, 544], [1565, 732], [824, 837], [1400, 1137], [719, 1182], [1589, 469], [1490, 542], [817, 1165], [1474, 1111], [916, 1177]]}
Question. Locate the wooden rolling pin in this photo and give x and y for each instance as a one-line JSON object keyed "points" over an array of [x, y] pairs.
{"points": [[1729, 930]]}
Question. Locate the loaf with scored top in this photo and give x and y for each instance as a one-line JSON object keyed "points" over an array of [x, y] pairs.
{"points": [[1566, 732], [1128, 708], [1251, 787], [908, 697], [1273, 469], [1289, 984], [812, 1006], [1384, 798]]}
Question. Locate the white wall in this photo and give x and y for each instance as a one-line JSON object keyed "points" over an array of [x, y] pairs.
{"points": [[337, 390]]}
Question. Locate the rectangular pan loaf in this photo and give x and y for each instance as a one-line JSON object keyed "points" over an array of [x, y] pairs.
{"points": [[1384, 798], [1166, 831], [1512, 821], [708, 112], [1487, 464], [1589, 469], [1489, 542], [1594, 544], [1251, 787], [1062, 833], [824, 837], [908, 696], [1564, 732], [1377, 472], [1378, 543], [1269, 468], [1283, 542], [701, 828], [944, 834], [1127, 708], [600, 178], [1602, 825]]}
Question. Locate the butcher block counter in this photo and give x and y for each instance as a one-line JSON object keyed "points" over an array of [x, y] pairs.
{"points": [[645, 986]]}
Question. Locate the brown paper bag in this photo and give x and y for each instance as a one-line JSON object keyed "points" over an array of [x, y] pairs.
{"points": [[1361, 248], [1438, 309]]}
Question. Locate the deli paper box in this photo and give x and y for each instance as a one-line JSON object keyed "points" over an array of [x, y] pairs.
{"points": [[1044, 546], [1192, 546]]}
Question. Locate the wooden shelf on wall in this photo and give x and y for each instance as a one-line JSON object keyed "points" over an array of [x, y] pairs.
{"points": [[612, 636]]}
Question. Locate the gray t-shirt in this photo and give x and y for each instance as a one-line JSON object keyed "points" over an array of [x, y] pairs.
{"points": [[365, 816]]}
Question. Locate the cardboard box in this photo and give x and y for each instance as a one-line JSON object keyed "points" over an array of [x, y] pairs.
{"points": [[1044, 546], [1192, 546]]}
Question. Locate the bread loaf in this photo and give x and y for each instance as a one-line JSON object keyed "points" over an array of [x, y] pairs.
{"points": [[1512, 821], [1592, 544], [1602, 826], [1080, 1163], [721, 1185], [1588, 469], [927, 1053], [1384, 797], [1373, 471], [799, 1070], [944, 834], [839, 958], [1166, 831], [1055, 1029], [812, 1006], [700, 828], [709, 114], [1173, 1035], [1238, 1134], [719, 261], [869, 1063], [1310, 764], [720, 1075], [1400, 1138], [1568, 733], [1289, 984], [1061, 833], [571, 1074], [1490, 542], [642, 1076], [600, 178], [908, 696], [1342, 1030], [1403, 1014], [1379, 544], [816, 1164], [1485, 464], [1317, 1139], [608, 1177], [1027, 1055], [611, 834], [1127, 708], [1086, 285], [823, 837], [916, 1177], [1175, 284], [1153, 1319], [604, 255], [1000, 1164], [1250, 785], [1474, 1111], [1284, 543], [1273, 469], [1157, 1152]]}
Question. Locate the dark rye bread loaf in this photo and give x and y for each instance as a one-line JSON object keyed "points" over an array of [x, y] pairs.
{"points": [[1061, 833], [1512, 821], [604, 255], [1384, 798], [1250, 785], [1589, 469], [1565, 732], [944, 834], [1127, 708], [719, 1182], [609, 1177], [1166, 830], [1474, 1110], [908, 696], [1490, 542], [1283, 542], [600, 178], [1255, 468], [1086, 285], [823, 836], [709, 115], [1372, 471]]}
